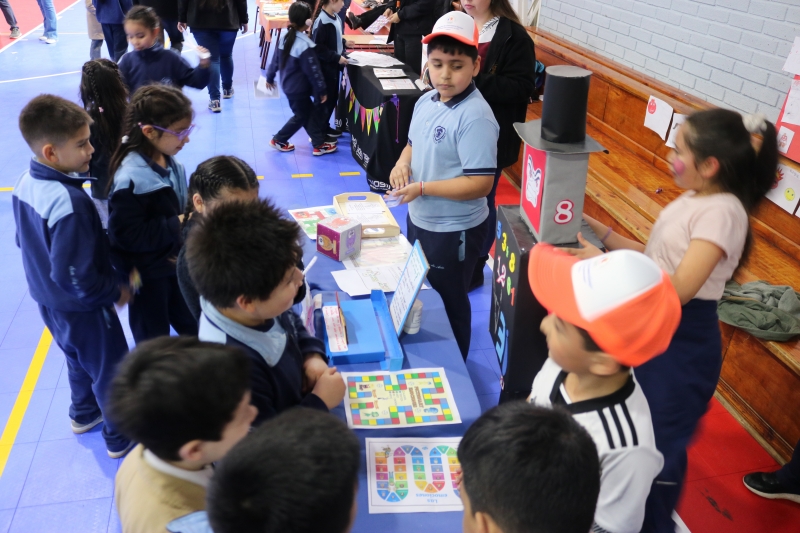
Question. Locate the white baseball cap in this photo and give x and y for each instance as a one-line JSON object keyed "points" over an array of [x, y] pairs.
{"points": [[457, 25]]}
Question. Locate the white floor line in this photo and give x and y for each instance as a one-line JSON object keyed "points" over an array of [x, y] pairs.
{"points": [[40, 26], [680, 527], [40, 77]]}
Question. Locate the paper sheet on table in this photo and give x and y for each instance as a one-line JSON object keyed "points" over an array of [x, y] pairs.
{"points": [[791, 112], [363, 207], [380, 39], [362, 281], [677, 120], [658, 116], [785, 193], [369, 218], [793, 61], [372, 59], [397, 84], [377, 252], [389, 73], [376, 26], [333, 326], [785, 136]]}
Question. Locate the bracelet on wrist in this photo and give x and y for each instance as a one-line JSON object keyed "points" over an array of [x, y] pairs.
{"points": [[607, 235]]}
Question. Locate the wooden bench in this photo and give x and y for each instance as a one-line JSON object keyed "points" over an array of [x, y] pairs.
{"points": [[627, 188]]}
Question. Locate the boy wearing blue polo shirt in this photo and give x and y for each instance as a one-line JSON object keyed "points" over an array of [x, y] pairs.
{"points": [[449, 171]]}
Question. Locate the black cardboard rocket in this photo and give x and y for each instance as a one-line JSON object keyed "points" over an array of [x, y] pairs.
{"points": [[556, 157]]}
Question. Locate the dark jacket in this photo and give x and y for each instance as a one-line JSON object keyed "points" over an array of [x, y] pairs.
{"points": [[64, 248], [156, 65], [301, 74], [275, 388], [143, 224], [232, 16], [111, 11], [330, 45], [166, 9], [98, 167], [416, 17], [507, 82]]}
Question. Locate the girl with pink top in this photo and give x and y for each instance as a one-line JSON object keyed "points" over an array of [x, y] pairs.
{"points": [[699, 239]]}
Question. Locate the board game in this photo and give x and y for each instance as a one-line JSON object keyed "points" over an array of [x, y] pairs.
{"points": [[413, 475], [407, 398]]}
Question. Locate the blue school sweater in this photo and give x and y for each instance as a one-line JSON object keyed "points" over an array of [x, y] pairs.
{"points": [[301, 75], [111, 11], [156, 65], [64, 248], [277, 351], [327, 35], [143, 225]]}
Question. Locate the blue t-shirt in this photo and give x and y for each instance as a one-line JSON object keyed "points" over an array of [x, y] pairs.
{"points": [[451, 139]]}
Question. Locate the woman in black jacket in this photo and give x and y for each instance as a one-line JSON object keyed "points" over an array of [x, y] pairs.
{"points": [[507, 81], [167, 11], [214, 24]]}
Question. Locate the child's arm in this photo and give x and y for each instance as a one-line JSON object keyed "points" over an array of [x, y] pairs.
{"points": [[324, 34], [694, 269], [132, 229], [186, 75], [313, 71], [274, 65]]}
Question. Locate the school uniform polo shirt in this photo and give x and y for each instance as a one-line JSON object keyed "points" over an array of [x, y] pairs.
{"points": [[622, 430], [451, 139]]}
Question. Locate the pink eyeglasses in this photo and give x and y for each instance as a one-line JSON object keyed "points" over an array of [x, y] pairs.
{"points": [[181, 135]]}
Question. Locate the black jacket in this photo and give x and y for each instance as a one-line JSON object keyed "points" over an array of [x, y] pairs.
{"points": [[166, 9], [232, 16], [416, 17], [507, 82]]}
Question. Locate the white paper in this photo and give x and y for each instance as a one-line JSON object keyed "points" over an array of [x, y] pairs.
{"points": [[307, 310], [406, 292], [376, 26], [337, 340], [791, 111], [362, 207], [785, 136], [379, 39], [309, 217], [372, 59], [389, 73], [657, 116], [391, 468], [369, 218], [793, 61], [425, 400], [786, 190], [376, 252], [260, 90], [421, 85], [362, 281], [397, 84], [677, 120]]}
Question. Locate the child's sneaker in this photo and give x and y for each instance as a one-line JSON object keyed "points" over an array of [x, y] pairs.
{"points": [[334, 133], [213, 106], [42, 38], [122, 452], [227, 93], [50, 41], [281, 147], [325, 148], [15, 33], [79, 429]]}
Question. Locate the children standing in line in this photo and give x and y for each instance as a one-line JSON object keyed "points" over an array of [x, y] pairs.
{"points": [[66, 259], [301, 78], [105, 98], [186, 403], [452, 167], [700, 239], [243, 258], [149, 62], [146, 208], [607, 314], [527, 468], [327, 35]]}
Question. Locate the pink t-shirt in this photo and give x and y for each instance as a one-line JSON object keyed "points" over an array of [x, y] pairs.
{"points": [[717, 218]]}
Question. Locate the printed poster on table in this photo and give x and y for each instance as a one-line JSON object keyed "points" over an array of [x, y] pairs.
{"points": [[406, 398], [309, 217], [412, 475]]}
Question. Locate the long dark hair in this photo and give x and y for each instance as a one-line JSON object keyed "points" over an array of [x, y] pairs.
{"points": [[743, 171], [155, 105], [320, 5], [219, 172], [105, 98], [299, 13], [502, 8]]}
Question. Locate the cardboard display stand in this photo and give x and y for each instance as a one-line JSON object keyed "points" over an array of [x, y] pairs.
{"points": [[370, 210]]}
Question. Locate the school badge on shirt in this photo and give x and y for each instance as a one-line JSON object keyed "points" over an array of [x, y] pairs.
{"points": [[438, 134]]}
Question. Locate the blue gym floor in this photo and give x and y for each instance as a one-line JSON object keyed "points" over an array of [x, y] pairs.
{"points": [[54, 480]]}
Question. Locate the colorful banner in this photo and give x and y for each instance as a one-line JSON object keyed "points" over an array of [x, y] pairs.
{"points": [[368, 117]]}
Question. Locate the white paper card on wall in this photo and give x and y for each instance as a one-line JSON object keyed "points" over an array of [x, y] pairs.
{"points": [[791, 112], [785, 136], [658, 116], [793, 61], [786, 190], [677, 120]]}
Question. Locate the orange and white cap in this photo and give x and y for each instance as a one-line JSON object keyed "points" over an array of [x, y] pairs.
{"points": [[457, 25], [623, 299]]}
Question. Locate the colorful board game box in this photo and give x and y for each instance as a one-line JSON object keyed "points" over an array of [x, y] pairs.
{"points": [[415, 397]]}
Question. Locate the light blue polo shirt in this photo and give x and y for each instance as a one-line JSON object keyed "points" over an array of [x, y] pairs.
{"points": [[451, 139]]}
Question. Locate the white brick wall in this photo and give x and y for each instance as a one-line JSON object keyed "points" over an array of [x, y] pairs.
{"points": [[728, 52]]}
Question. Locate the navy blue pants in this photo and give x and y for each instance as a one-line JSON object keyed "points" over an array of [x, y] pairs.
{"points": [[116, 41], [789, 475], [93, 344], [158, 305], [452, 256], [306, 115], [678, 385]]}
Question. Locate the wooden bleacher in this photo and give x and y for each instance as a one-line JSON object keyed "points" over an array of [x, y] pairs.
{"points": [[627, 188]]}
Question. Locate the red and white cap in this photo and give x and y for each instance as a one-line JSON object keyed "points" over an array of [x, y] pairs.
{"points": [[625, 302], [457, 25]]}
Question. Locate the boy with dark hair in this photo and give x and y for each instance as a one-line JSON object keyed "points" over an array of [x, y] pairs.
{"points": [[187, 403], [528, 469], [446, 178], [629, 310], [298, 472], [243, 258], [65, 254]]}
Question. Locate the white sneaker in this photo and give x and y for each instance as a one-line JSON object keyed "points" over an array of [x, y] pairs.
{"points": [[117, 455], [42, 38], [50, 41], [78, 429]]}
